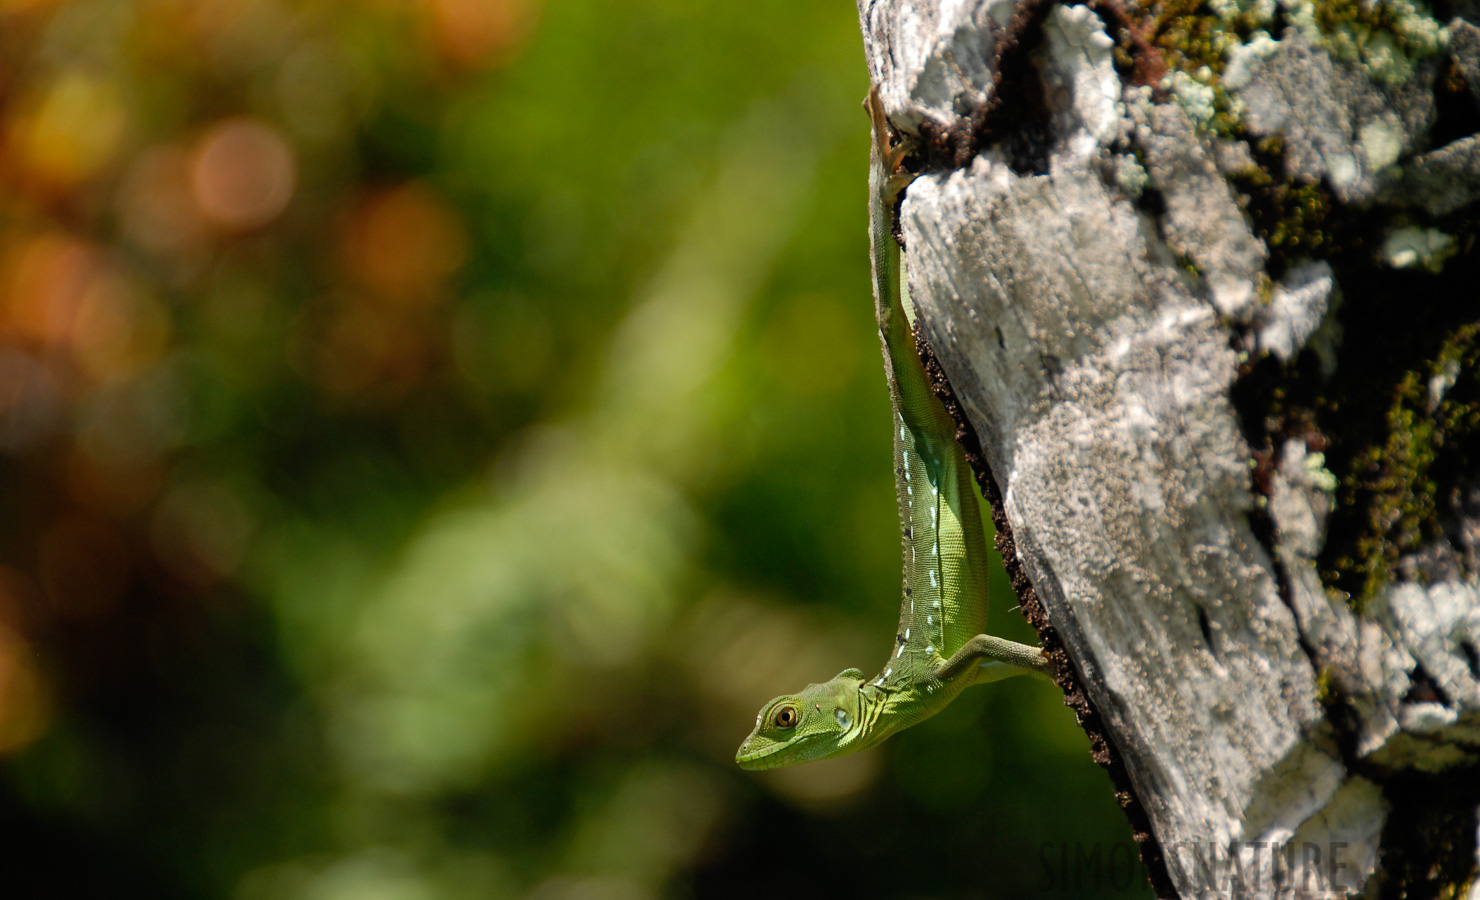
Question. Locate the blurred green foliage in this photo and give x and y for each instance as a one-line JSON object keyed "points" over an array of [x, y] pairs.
{"points": [[430, 429]]}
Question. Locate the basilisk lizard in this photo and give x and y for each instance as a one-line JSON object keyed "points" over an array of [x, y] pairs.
{"points": [[938, 650]]}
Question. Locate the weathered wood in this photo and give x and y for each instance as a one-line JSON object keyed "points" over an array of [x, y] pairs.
{"points": [[1096, 289]]}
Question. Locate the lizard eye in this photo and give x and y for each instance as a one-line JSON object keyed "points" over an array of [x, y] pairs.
{"points": [[785, 717]]}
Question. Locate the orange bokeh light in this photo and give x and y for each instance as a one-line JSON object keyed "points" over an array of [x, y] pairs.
{"points": [[474, 32], [61, 291], [20, 7], [47, 278], [243, 174], [403, 243]]}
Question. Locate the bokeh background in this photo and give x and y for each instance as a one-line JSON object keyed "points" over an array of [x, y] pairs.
{"points": [[429, 430]]}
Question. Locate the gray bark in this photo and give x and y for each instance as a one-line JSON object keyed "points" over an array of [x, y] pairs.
{"points": [[1093, 292]]}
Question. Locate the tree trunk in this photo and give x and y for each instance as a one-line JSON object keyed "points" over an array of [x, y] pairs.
{"points": [[1201, 278]]}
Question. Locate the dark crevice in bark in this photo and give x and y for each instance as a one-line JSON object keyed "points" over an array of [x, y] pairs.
{"points": [[1390, 341], [1422, 688], [1251, 397], [1014, 115], [1455, 113], [1299, 220], [1153, 203], [1206, 628], [1394, 461], [1102, 747], [1428, 842], [1338, 708]]}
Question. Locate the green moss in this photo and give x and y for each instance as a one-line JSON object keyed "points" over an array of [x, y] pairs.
{"points": [[1294, 219], [1197, 34], [1301, 229], [1393, 481], [1387, 37], [1326, 693], [1194, 37]]}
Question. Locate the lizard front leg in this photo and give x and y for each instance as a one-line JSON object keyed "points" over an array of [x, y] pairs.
{"points": [[992, 659]]}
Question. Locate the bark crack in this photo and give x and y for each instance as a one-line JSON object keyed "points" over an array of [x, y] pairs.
{"points": [[954, 146]]}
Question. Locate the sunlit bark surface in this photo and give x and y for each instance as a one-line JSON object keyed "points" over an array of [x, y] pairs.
{"points": [[1202, 283]]}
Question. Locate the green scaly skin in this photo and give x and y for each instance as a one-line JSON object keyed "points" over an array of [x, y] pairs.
{"points": [[938, 649]]}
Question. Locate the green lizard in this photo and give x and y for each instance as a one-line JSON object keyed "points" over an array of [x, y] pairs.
{"points": [[938, 650]]}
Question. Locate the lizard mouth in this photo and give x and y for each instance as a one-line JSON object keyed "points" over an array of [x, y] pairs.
{"points": [[759, 759], [770, 757]]}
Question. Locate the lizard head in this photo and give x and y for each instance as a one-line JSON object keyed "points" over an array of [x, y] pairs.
{"points": [[818, 722]]}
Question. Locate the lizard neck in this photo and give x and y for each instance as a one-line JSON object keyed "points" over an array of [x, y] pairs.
{"points": [[899, 702]]}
